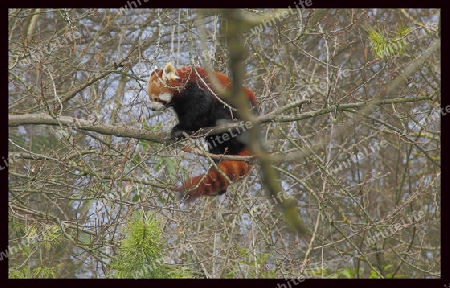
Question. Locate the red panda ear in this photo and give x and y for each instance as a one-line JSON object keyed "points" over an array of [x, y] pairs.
{"points": [[169, 72]]}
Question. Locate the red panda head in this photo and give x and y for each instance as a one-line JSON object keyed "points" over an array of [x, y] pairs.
{"points": [[161, 86]]}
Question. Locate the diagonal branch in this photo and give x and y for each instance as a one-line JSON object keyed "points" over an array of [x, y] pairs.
{"points": [[288, 206]]}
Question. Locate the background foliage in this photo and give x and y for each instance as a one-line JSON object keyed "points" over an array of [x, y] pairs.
{"points": [[91, 173]]}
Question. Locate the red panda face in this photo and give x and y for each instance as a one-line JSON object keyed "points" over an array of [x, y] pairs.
{"points": [[159, 88]]}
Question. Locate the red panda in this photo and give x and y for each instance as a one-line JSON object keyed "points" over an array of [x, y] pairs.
{"points": [[196, 95]]}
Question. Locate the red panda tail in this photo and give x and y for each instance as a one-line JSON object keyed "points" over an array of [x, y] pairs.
{"points": [[214, 182]]}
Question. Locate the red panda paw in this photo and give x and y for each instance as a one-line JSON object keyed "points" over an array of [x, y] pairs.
{"points": [[176, 133]]}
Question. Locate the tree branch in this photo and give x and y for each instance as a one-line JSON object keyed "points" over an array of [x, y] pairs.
{"points": [[342, 107], [75, 123], [401, 80]]}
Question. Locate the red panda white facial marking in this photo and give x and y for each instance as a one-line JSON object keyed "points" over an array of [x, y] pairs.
{"points": [[156, 106]]}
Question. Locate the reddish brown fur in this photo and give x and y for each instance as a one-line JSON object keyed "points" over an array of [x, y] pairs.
{"points": [[214, 181]]}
